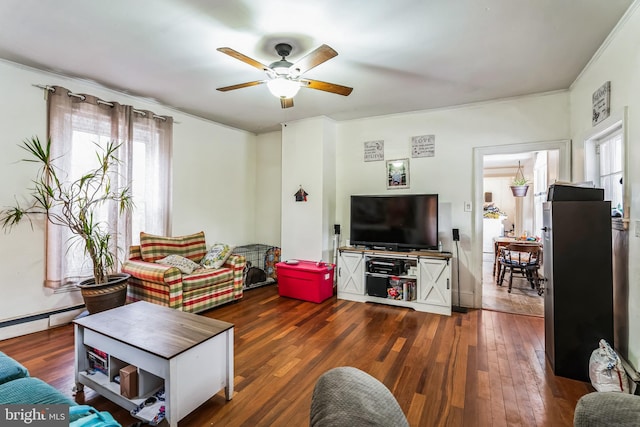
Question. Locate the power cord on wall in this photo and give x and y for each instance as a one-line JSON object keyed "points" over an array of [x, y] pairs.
{"points": [[336, 245]]}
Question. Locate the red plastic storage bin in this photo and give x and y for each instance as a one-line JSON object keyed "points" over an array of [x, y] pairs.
{"points": [[306, 280]]}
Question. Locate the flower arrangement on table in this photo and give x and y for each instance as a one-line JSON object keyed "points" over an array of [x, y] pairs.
{"points": [[492, 211]]}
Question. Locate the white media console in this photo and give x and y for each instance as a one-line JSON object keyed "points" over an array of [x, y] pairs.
{"points": [[419, 279]]}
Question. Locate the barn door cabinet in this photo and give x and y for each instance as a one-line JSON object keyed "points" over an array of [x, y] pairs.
{"points": [[420, 279]]}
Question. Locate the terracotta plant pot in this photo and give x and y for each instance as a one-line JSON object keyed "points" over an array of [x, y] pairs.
{"points": [[104, 296], [519, 190]]}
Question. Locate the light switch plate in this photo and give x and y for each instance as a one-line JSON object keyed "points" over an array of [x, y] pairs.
{"points": [[467, 206], [637, 228]]}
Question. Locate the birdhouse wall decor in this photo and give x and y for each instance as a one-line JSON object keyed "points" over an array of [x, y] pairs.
{"points": [[301, 195]]}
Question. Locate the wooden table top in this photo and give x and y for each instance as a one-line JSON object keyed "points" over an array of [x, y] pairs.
{"points": [[514, 240], [159, 330], [424, 253]]}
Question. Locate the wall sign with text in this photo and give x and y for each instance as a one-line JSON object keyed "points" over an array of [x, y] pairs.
{"points": [[423, 146], [373, 151], [601, 106]]}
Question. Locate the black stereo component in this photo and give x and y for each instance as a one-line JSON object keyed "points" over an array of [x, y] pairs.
{"points": [[377, 286], [396, 267]]}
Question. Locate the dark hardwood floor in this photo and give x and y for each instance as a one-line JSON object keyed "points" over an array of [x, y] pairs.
{"points": [[481, 368]]}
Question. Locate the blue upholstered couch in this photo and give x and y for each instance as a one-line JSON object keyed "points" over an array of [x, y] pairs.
{"points": [[18, 387]]}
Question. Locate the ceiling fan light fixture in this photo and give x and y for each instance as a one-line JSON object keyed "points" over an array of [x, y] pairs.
{"points": [[285, 79], [281, 87]]}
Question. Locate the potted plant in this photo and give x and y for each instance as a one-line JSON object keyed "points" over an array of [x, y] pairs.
{"points": [[520, 184], [74, 205]]}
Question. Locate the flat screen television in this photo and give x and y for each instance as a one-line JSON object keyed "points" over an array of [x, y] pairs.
{"points": [[399, 222]]}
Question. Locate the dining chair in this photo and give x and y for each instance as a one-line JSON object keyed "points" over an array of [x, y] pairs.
{"points": [[499, 248], [523, 258]]}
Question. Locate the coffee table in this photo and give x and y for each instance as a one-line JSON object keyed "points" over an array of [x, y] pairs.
{"points": [[191, 356]]}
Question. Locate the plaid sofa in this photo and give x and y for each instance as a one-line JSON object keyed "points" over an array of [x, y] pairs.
{"points": [[168, 286]]}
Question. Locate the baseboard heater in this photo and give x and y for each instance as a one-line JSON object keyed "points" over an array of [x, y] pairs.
{"points": [[38, 316]]}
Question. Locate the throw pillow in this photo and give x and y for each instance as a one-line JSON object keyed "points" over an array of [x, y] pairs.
{"points": [[271, 258], [185, 265], [217, 255], [191, 246]]}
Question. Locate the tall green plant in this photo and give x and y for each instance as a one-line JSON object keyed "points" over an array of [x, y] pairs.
{"points": [[73, 204]]}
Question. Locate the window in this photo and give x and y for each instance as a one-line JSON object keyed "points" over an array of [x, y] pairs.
{"points": [[540, 185], [77, 123], [610, 171], [150, 177], [606, 159]]}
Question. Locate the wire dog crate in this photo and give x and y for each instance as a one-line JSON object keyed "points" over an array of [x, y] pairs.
{"points": [[260, 269]]}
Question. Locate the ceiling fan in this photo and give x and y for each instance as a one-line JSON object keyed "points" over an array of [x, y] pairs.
{"points": [[284, 79]]}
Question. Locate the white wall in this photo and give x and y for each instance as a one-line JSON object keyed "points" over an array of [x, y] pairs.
{"points": [[213, 181], [617, 62], [308, 159], [503, 198], [268, 186], [519, 210], [328, 189], [213, 189], [450, 173]]}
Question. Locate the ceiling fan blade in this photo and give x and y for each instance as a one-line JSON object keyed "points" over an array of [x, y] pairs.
{"points": [[243, 58], [314, 58], [286, 102], [327, 87], [241, 85]]}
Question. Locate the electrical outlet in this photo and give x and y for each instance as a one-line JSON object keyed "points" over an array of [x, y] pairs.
{"points": [[467, 206]]}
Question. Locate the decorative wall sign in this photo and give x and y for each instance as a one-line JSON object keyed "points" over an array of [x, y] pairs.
{"points": [[373, 151], [600, 100], [423, 146], [398, 173]]}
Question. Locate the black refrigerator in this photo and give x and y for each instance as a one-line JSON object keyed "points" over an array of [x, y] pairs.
{"points": [[578, 295]]}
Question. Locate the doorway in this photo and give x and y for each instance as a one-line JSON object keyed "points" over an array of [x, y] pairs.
{"points": [[501, 167], [510, 217]]}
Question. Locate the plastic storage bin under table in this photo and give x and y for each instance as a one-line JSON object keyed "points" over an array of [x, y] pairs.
{"points": [[305, 280]]}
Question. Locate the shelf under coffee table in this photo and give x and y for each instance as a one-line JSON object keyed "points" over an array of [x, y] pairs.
{"points": [[191, 356]]}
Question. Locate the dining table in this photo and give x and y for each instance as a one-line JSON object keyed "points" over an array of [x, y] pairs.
{"points": [[501, 241]]}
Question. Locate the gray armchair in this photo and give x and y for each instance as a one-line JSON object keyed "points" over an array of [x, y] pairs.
{"points": [[348, 397], [607, 409]]}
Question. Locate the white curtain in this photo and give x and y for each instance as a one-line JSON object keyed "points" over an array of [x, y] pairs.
{"points": [[151, 174], [76, 122]]}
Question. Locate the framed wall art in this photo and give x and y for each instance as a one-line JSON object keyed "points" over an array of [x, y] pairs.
{"points": [[397, 173]]}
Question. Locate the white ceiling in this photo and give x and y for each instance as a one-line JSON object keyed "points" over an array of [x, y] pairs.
{"points": [[399, 56], [506, 161]]}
